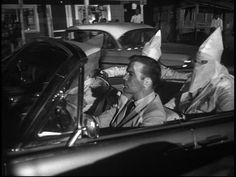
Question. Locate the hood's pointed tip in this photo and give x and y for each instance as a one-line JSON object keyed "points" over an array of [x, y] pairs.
{"points": [[212, 46], [152, 48]]}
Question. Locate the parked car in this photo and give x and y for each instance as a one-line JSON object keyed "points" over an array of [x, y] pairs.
{"points": [[121, 40], [41, 138]]}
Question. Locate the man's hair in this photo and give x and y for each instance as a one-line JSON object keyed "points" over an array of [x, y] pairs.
{"points": [[151, 68]]}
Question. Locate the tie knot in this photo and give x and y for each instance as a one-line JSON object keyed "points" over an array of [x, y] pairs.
{"points": [[130, 107]]}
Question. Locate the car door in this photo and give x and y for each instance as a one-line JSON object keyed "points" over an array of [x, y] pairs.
{"points": [[125, 147]]}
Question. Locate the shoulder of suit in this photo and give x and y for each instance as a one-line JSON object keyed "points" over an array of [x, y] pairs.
{"points": [[156, 102], [226, 82]]}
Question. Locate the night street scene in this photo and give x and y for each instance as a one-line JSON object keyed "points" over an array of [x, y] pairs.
{"points": [[117, 87]]}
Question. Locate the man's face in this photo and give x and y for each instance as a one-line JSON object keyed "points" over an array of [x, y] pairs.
{"points": [[134, 78]]}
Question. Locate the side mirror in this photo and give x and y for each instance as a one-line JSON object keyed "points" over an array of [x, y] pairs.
{"points": [[91, 126], [91, 129]]}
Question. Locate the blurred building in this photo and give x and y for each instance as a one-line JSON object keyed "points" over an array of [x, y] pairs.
{"points": [[189, 20], [51, 17], [185, 21]]}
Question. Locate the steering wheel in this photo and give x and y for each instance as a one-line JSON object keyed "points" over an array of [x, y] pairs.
{"points": [[103, 94]]}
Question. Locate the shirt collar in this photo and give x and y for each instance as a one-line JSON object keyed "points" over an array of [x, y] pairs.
{"points": [[146, 99]]}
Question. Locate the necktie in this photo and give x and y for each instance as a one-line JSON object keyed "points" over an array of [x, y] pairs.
{"points": [[123, 113], [130, 107]]}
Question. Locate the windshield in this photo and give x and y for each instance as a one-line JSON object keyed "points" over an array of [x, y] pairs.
{"points": [[136, 38], [26, 75]]}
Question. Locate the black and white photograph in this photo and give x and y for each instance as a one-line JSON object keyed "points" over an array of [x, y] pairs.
{"points": [[117, 87]]}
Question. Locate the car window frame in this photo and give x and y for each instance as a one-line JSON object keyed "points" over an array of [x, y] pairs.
{"points": [[56, 85], [58, 77]]}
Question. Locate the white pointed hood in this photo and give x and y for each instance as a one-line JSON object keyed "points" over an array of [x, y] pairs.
{"points": [[208, 59], [213, 46], [152, 48]]}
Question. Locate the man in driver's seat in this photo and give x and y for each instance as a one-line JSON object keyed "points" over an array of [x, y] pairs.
{"points": [[95, 106], [140, 106]]}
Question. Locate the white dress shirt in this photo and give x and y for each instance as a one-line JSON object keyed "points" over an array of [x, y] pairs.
{"points": [[137, 18]]}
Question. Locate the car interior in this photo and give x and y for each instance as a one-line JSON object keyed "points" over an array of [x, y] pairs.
{"points": [[99, 97]]}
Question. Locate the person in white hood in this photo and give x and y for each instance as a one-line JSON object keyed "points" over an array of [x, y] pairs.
{"points": [[211, 87]]}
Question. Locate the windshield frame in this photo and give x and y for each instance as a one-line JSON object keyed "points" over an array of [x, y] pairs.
{"points": [[33, 120]]}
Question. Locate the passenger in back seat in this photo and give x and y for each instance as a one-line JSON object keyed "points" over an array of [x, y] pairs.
{"points": [[211, 87]]}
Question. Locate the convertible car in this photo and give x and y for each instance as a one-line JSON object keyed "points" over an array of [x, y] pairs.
{"points": [[119, 41], [41, 137]]}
